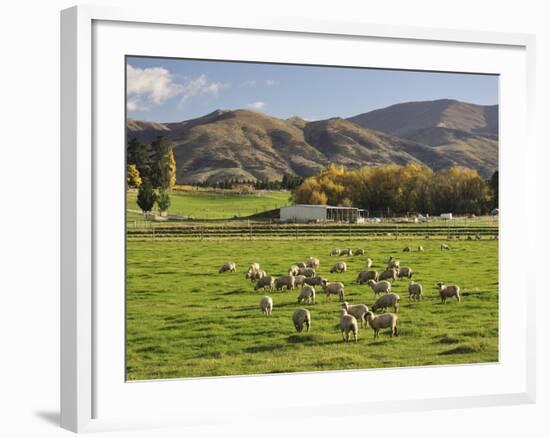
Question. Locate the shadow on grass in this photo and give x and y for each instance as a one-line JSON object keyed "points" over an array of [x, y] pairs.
{"points": [[234, 292], [303, 339], [264, 348]]}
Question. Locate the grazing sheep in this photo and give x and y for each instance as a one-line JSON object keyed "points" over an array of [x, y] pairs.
{"points": [[393, 263], [228, 267], [449, 291], [388, 274], [339, 267], [335, 252], [469, 237], [266, 305], [415, 291], [312, 262], [365, 276], [346, 252], [335, 288], [348, 324], [385, 301], [405, 272], [300, 318], [444, 246], [293, 270], [255, 275], [386, 320], [299, 280], [301, 265], [308, 272], [420, 248], [315, 281], [357, 310], [380, 287], [478, 236], [407, 249], [368, 264], [266, 282], [254, 267], [359, 252], [285, 281], [307, 295]]}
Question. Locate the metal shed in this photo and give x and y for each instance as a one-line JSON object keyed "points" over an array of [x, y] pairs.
{"points": [[303, 213]]}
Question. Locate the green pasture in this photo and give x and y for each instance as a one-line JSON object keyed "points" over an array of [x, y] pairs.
{"points": [[186, 320]]}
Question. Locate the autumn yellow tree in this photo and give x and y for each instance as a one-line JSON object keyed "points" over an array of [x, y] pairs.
{"points": [[133, 178]]}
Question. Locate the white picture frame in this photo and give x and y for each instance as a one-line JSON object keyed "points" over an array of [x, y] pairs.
{"points": [[90, 377]]}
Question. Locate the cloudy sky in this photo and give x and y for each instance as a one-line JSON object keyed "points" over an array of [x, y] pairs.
{"points": [[170, 90]]}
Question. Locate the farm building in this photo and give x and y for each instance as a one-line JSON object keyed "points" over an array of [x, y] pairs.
{"points": [[321, 213]]}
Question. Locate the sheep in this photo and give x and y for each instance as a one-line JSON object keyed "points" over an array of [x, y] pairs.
{"points": [[254, 267], [386, 320], [266, 305], [293, 270], [300, 318], [444, 246], [478, 236], [357, 310], [299, 280], [312, 262], [307, 295], [339, 267], [448, 291], [228, 267], [385, 301], [315, 281], [365, 276], [307, 272], [301, 265], [415, 291], [368, 263], [287, 281], [348, 324], [405, 272], [359, 252], [388, 274], [420, 248], [469, 237], [379, 287], [335, 252], [266, 282], [346, 252], [255, 275], [407, 249], [335, 288], [393, 263]]}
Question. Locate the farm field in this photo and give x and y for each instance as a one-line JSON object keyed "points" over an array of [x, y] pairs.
{"points": [[186, 320]]}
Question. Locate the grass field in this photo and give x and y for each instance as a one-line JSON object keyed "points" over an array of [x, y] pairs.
{"points": [[186, 320], [218, 205]]}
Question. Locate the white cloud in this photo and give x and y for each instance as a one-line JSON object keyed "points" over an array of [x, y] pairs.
{"points": [[270, 82], [250, 83], [153, 86], [256, 105]]}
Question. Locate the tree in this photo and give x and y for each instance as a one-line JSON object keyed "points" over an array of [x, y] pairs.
{"points": [[146, 197], [163, 169], [138, 154], [163, 200], [133, 178]]}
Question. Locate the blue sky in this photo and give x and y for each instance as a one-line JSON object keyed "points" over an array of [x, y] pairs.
{"points": [[170, 90]]}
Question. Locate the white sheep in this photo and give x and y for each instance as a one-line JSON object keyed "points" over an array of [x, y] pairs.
{"points": [[300, 318], [393, 263], [308, 272], [299, 280], [444, 246], [357, 310], [335, 288], [301, 265], [307, 295], [420, 248], [449, 291], [405, 272], [386, 320], [255, 275], [228, 267], [415, 291], [365, 276], [293, 270], [388, 274], [339, 267], [254, 267], [266, 282], [313, 262], [346, 252], [335, 252], [348, 324], [266, 305], [368, 263], [380, 287], [287, 281], [385, 301]]}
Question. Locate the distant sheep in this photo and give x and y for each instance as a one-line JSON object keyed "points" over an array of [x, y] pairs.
{"points": [[315, 281], [415, 291], [386, 320], [335, 252], [393, 263], [266, 305], [368, 263], [300, 318], [420, 248], [357, 310], [254, 267], [365, 276], [388, 274], [407, 249], [228, 267], [255, 275], [313, 263], [444, 246], [301, 265], [385, 301], [293, 270], [335, 288], [346, 252], [299, 280], [287, 281], [348, 324], [267, 282], [380, 287], [359, 252], [405, 272], [307, 272], [448, 291], [307, 295], [339, 267]]}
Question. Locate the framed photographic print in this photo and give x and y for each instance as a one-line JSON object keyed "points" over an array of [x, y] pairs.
{"points": [[255, 210]]}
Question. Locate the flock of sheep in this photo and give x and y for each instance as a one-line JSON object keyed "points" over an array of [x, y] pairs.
{"points": [[304, 276]]}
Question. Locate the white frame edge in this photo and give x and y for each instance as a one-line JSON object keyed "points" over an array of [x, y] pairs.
{"points": [[77, 197]]}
